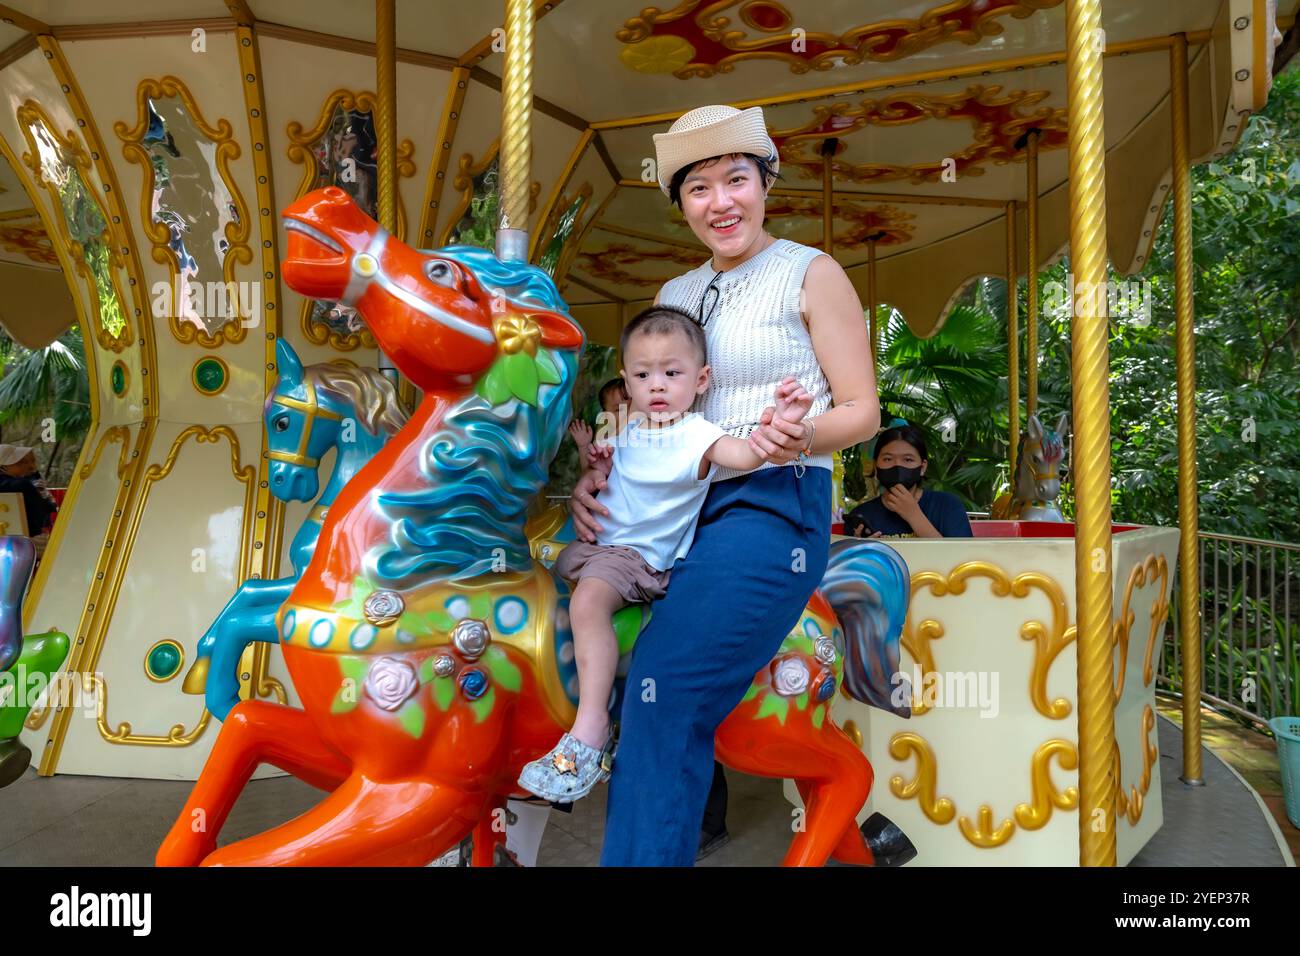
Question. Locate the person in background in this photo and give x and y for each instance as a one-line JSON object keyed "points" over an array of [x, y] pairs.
{"points": [[903, 509], [19, 474], [614, 404]]}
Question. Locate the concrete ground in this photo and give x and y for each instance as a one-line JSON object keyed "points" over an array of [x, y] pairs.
{"points": [[105, 821]]}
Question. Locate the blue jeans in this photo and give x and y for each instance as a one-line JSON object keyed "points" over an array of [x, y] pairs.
{"points": [[760, 550]]}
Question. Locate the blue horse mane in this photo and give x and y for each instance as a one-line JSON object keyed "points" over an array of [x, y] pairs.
{"points": [[483, 465]]}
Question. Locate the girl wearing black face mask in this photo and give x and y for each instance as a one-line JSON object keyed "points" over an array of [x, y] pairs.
{"points": [[903, 509]]}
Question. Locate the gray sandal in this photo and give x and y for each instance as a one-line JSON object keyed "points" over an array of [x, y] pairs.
{"points": [[569, 771]]}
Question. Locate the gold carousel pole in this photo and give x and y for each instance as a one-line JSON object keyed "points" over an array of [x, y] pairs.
{"points": [[1189, 598], [1089, 367], [386, 130], [516, 132], [1031, 276], [1013, 344]]}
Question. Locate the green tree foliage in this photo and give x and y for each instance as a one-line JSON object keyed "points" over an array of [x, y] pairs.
{"points": [[1246, 231], [47, 382]]}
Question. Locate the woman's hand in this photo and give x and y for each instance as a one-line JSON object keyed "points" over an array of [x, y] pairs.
{"points": [[584, 507], [899, 500], [775, 439]]}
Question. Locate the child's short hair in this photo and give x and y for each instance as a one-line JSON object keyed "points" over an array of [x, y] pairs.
{"points": [[613, 385], [664, 320]]}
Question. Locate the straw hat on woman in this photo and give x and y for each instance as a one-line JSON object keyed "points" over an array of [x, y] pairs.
{"points": [[772, 310]]}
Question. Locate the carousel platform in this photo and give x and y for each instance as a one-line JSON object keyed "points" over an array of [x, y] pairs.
{"points": [[104, 821]]}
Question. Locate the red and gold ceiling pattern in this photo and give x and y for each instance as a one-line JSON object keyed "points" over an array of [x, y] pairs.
{"points": [[697, 38], [998, 120], [620, 263], [888, 225], [28, 239], [612, 262]]}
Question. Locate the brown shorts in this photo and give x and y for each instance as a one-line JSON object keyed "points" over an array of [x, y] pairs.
{"points": [[620, 567]]}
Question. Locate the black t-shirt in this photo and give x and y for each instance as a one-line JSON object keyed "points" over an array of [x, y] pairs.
{"points": [[944, 510], [38, 508]]}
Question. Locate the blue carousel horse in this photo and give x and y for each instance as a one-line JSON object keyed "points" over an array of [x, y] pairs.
{"points": [[332, 405]]}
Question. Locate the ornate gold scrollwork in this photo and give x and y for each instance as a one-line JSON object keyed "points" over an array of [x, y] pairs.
{"points": [[1148, 569], [178, 736], [118, 433], [939, 809], [247, 476], [983, 834], [103, 288], [467, 171], [1035, 814], [236, 231], [1048, 642], [1130, 805], [301, 151]]}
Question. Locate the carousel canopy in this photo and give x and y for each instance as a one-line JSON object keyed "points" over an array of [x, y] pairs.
{"points": [[926, 106]]}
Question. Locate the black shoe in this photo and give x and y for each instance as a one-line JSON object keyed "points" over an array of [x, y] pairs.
{"points": [[888, 844], [15, 758], [709, 842]]}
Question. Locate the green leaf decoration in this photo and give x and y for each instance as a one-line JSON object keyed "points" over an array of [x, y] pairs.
{"points": [[345, 700], [547, 372], [426, 670], [521, 375], [801, 701], [773, 703], [819, 715], [483, 706], [354, 606], [444, 690], [752, 692], [354, 667], [503, 671], [411, 717], [353, 671], [441, 620], [493, 386], [627, 623]]}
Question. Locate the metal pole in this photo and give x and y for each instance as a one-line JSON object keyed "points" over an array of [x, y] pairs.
{"points": [[1189, 598], [1013, 344], [872, 295], [1089, 365], [1031, 277], [828, 196], [386, 131], [516, 132]]}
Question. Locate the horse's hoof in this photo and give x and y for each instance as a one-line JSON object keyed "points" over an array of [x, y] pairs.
{"points": [[888, 844], [196, 679], [14, 760]]}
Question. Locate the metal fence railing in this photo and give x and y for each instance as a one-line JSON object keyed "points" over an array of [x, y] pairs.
{"points": [[1250, 627]]}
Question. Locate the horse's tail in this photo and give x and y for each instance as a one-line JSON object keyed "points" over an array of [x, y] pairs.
{"points": [[868, 585]]}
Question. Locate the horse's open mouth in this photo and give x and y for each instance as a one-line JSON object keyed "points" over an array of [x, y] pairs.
{"points": [[307, 243]]}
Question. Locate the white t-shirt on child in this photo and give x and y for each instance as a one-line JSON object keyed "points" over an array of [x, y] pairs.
{"points": [[652, 494]]}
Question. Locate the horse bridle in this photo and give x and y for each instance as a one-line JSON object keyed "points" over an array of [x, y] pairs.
{"points": [[312, 410], [1027, 456]]}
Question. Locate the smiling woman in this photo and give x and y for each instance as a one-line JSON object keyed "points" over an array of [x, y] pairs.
{"points": [[773, 312]]}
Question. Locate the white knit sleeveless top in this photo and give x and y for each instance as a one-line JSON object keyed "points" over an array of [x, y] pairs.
{"points": [[755, 338]]}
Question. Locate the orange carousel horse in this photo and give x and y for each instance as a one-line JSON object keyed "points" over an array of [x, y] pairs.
{"points": [[432, 653]]}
